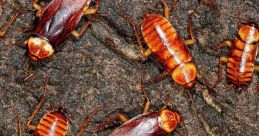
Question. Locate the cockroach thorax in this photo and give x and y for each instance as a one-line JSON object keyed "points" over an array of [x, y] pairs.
{"points": [[39, 48], [249, 33], [169, 120]]}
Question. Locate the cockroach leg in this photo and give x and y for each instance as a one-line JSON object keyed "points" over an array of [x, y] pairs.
{"points": [[78, 34], [119, 116], [147, 103], [36, 5], [166, 10], [19, 122], [86, 122], [19, 126], [34, 113], [224, 44], [191, 40], [144, 52], [88, 10], [9, 24], [157, 78], [221, 60], [148, 52], [39, 106]]}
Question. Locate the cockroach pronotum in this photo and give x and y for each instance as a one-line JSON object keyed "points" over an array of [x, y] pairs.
{"points": [[56, 21], [163, 41], [241, 60], [157, 123]]}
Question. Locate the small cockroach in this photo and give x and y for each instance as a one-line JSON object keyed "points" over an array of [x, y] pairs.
{"points": [[163, 41], [56, 21], [157, 123], [53, 123], [243, 52]]}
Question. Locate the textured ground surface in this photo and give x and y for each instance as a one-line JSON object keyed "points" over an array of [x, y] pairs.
{"points": [[87, 72]]}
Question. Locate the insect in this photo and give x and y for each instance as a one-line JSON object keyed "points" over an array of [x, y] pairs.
{"points": [[157, 123], [241, 60], [162, 41], [56, 22], [53, 123]]}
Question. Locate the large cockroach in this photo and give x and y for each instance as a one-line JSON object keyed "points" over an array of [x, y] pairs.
{"points": [[242, 56], [56, 21], [157, 123], [171, 51]]}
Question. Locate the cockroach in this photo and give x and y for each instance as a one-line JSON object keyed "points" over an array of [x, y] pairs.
{"points": [[157, 123], [171, 51], [243, 52], [53, 123], [56, 22]]}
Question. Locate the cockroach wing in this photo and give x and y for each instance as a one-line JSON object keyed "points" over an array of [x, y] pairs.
{"points": [[58, 19], [142, 125]]}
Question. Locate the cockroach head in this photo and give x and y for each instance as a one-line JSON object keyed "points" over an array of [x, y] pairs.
{"points": [[39, 48], [169, 120]]}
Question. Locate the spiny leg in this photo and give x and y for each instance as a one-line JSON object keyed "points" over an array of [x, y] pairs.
{"points": [[119, 116], [166, 10], [19, 122], [224, 44], [86, 122], [256, 69], [144, 52], [36, 5], [19, 126], [9, 24], [221, 60], [11, 20], [147, 103], [78, 34], [39, 106], [157, 78], [34, 113], [191, 40]]}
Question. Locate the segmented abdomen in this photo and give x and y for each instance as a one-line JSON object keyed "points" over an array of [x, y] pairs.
{"points": [[52, 124], [240, 64], [163, 40]]}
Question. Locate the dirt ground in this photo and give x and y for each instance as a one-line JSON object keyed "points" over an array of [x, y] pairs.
{"points": [[87, 72]]}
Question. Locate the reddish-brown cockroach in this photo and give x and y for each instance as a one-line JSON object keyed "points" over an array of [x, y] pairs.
{"points": [[241, 60], [56, 21], [53, 123], [171, 51], [157, 123]]}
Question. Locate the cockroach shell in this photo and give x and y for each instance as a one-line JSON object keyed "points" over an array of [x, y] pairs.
{"points": [[245, 33], [39, 48], [169, 120], [185, 74]]}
